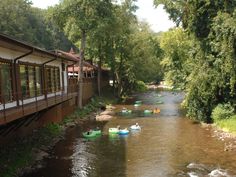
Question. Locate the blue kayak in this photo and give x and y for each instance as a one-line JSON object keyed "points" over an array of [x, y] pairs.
{"points": [[123, 132]]}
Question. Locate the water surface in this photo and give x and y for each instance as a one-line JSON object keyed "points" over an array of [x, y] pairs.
{"points": [[168, 145]]}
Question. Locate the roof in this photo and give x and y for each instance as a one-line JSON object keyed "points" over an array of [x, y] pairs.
{"points": [[75, 57], [11, 43], [77, 69]]}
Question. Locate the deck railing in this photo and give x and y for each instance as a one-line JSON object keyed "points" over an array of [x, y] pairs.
{"points": [[22, 106]]}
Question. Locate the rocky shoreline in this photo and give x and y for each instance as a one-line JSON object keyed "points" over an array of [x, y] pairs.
{"points": [[106, 115], [228, 138]]}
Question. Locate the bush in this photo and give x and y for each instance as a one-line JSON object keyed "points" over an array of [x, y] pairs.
{"points": [[222, 111], [140, 86]]}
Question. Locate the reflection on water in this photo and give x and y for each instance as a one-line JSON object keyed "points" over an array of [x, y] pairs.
{"points": [[80, 159], [168, 145]]}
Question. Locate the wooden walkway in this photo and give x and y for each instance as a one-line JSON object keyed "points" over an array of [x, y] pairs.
{"points": [[17, 112]]}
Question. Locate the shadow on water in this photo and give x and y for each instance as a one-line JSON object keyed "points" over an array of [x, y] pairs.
{"points": [[76, 156]]}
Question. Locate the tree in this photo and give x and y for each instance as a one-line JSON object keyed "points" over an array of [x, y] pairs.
{"points": [[110, 43], [211, 28], [146, 54], [99, 38], [85, 15], [30, 24], [176, 59]]}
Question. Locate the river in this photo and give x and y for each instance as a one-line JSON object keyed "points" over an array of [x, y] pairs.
{"points": [[169, 145]]}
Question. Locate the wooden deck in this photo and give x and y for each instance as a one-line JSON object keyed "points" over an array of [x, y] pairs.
{"points": [[10, 114]]}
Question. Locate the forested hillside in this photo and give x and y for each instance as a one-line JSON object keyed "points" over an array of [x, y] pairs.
{"points": [[33, 25]]}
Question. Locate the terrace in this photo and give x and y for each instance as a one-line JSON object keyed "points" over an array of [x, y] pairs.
{"points": [[10, 111]]}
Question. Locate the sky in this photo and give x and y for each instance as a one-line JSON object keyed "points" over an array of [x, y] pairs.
{"points": [[156, 17]]}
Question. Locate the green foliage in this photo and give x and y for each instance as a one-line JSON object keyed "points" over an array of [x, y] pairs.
{"points": [[197, 15], [147, 54], [52, 129], [228, 125], [19, 156], [207, 65], [140, 86], [93, 105], [222, 111], [19, 153], [223, 46], [23, 22], [176, 59]]}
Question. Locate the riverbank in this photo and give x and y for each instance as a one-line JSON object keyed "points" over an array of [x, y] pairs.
{"points": [[227, 125], [224, 135], [25, 154]]}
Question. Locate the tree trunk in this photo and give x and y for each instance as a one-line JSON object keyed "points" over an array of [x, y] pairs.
{"points": [[81, 74], [113, 68], [99, 71], [119, 76]]}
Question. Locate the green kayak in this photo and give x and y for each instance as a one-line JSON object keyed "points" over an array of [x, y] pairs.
{"points": [[98, 132], [147, 111], [89, 134], [113, 130], [159, 102], [126, 111], [138, 102]]}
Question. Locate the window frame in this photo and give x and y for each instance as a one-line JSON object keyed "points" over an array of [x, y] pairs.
{"points": [[35, 91], [52, 79], [12, 99]]}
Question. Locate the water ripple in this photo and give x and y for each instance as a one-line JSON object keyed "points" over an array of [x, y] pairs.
{"points": [[81, 159]]}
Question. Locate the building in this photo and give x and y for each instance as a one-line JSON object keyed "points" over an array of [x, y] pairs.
{"points": [[37, 87], [31, 79]]}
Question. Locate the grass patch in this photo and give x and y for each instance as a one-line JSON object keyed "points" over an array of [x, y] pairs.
{"points": [[18, 158], [19, 154], [93, 105], [224, 117], [228, 125]]}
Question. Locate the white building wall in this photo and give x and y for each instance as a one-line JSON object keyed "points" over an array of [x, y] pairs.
{"points": [[10, 55]]}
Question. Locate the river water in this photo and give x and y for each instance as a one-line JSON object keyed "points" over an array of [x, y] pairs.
{"points": [[168, 145]]}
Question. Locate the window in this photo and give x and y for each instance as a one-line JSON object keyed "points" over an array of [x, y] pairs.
{"points": [[30, 79], [57, 78], [24, 81], [32, 83], [38, 80], [53, 79], [5, 82], [48, 80]]}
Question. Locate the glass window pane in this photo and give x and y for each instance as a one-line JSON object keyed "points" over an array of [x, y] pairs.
{"points": [[31, 81], [53, 79], [58, 84], [38, 80], [23, 81], [5, 83], [48, 79]]}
